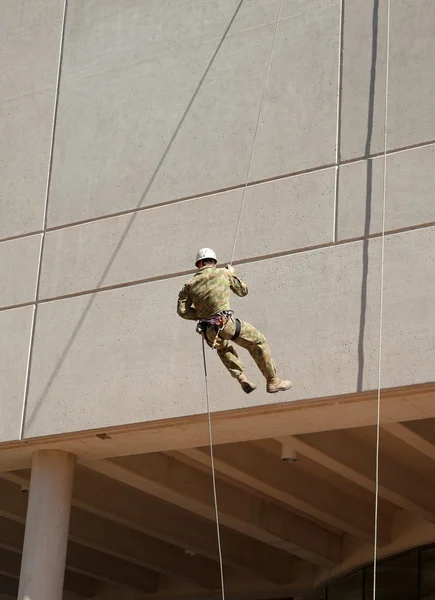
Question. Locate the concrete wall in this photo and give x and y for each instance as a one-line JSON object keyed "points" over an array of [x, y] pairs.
{"points": [[156, 111]]}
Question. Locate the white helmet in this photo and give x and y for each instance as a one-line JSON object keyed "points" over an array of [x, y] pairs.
{"points": [[205, 253]]}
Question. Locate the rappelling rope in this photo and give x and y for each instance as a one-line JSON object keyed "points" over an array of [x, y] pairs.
{"points": [[381, 303], [213, 471], [256, 129]]}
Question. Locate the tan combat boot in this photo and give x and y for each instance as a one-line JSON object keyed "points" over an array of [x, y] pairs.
{"points": [[247, 386], [278, 385]]}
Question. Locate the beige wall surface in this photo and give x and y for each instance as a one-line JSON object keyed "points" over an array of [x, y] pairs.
{"points": [[155, 115], [15, 326], [30, 34]]}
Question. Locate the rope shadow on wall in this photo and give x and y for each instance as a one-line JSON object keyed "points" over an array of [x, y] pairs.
{"points": [[369, 197]]}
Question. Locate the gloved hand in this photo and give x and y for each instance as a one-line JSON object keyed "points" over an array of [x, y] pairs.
{"points": [[231, 269]]}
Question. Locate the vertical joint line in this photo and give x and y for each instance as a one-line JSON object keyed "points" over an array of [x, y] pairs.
{"points": [[44, 228], [338, 130]]}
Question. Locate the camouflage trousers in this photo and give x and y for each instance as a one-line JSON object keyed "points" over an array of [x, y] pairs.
{"points": [[249, 338]]}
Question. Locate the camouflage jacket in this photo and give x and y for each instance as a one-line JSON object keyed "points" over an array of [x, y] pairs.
{"points": [[208, 293]]}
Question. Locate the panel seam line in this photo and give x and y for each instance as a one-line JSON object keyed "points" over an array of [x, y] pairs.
{"points": [[215, 192], [44, 228], [244, 261]]}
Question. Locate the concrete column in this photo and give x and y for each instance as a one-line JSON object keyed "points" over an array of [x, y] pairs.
{"points": [[47, 523]]}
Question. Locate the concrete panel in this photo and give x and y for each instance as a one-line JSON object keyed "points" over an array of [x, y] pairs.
{"points": [[25, 133], [409, 315], [101, 37], [15, 327], [411, 79], [30, 34], [410, 198], [111, 358], [363, 77], [156, 242], [124, 356], [292, 213], [123, 143], [298, 127], [18, 270], [411, 111], [113, 133]]}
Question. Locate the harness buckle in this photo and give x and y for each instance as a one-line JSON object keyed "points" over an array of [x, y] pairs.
{"points": [[218, 321]]}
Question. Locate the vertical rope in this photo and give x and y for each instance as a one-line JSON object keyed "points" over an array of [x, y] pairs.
{"points": [[381, 302], [213, 472], [266, 79]]}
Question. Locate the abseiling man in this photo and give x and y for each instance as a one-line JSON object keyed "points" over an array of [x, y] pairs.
{"points": [[206, 298]]}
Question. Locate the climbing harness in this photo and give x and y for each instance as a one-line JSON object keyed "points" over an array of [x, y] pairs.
{"points": [[204, 338], [218, 322]]}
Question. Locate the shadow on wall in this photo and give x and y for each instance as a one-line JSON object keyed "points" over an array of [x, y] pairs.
{"points": [[369, 197], [102, 279]]}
